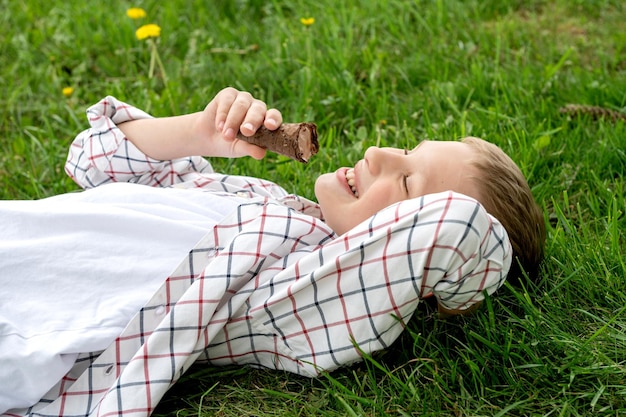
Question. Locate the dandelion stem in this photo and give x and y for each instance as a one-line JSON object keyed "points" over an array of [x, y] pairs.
{"points": [[153, 56], [160, 64], [156, 59]]}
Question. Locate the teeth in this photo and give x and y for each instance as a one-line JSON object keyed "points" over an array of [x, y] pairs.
{"points": [[351, 182]]}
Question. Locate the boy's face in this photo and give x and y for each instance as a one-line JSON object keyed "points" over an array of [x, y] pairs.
{"points": [[387, 175]]}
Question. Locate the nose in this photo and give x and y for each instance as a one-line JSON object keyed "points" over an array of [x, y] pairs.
{"points": [[379, 160]]}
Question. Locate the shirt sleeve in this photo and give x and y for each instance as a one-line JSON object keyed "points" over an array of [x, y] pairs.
{"points": [[102, 154], [470, 254], [327, 305]]}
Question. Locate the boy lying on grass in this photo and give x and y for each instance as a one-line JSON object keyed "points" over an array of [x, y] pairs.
{"points": [[109, 295]]}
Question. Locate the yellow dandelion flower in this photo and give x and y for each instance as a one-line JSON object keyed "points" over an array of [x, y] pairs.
{"points": [[136, 13], [307, 21], [148, 31], [67, 91]]}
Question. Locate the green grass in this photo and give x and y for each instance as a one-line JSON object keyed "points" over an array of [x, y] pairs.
{"points": [[387, 72]]}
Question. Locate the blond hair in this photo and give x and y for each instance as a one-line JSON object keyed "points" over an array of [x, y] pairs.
{"points": [[505, 194]]}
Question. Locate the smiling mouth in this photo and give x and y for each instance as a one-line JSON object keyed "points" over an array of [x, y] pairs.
{"points": [[351, 181]]}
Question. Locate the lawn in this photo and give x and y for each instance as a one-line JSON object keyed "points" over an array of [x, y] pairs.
{"points": [[389, 73]]}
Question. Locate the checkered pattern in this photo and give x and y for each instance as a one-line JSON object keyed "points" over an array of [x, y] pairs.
{"points": [[271, 286]]}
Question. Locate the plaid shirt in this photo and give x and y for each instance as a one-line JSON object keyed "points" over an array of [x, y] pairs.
{"points": [[271, 286]]}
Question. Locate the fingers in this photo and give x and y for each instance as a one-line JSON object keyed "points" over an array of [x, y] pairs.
{"points": [[224, 101], [240, 111], [252, 119], [273, 119]]}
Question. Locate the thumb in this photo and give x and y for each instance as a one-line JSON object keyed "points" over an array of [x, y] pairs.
{"points": [[242, 148]]}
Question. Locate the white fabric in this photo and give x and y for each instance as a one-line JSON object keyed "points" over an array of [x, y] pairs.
{"points": [[102, 252]]}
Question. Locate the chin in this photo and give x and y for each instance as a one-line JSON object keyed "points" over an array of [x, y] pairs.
{"points": [[318, 182], [322, 186]]}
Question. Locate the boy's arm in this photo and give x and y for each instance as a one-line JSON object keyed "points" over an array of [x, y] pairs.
{"points": [[357, 291], [211, 132], [103, 153]]}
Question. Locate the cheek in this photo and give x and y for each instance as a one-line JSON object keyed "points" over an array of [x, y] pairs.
{"points": [[342, 214], [347, 216], [377, 198]]}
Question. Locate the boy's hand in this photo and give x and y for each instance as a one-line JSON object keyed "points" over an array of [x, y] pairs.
{"points": [[228, 113], [211, 132]]}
